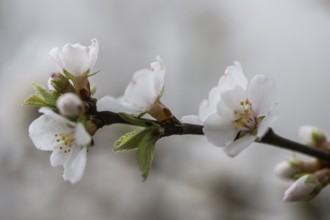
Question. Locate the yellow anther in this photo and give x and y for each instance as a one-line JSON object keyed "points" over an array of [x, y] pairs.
{"points": [[241, 103]]}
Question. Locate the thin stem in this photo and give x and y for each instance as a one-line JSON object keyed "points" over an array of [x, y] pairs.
{"points": [[175, 127], [273, 139]]}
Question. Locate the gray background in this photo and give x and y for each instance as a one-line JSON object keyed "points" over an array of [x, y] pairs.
{"points": [[190, 179]]}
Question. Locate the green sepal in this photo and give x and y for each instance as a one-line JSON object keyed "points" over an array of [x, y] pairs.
{"points": [[297, 176], [260, 119], [68, 75], [82, 119], [161, 92], [93, 89], [92, 74], [311, 179], [62, 84], [295, 163], [134, 120], [85, 74]]}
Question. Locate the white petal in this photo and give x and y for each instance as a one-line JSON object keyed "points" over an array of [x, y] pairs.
{"points": [[158, 71], [74, 168], [233, 77], [75, 59], [232, 98], [82, 137], [58, 158], [93, 53], [225, 112], [56, 56], [42, 132], [209, 106], [267, 121], [141, 91], [109, 103], [219, 131], [56, 117], [262, 94], [192, 119], [239, 145]]}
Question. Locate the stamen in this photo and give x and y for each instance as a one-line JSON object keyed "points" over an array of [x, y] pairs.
{"points": [[64, 142], [245, 120]]}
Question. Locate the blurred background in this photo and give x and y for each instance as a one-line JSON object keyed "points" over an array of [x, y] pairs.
{"points": [[190, 179]]}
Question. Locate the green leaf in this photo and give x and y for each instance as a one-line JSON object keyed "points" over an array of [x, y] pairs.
{"points": [[145, 153], [46, 95], [128, 141], [134, 120], [36, 100], [144, 141]]}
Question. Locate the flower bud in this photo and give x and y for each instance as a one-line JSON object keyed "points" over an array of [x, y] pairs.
{"points": [[69, 105], [286, 169], [289, 169], [305, 188], [312, 136]]}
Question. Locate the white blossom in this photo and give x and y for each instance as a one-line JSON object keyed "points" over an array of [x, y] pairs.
{"points": [[76, 59], [244, 111], [67, 140], [141, 93], [233, 76], [69, 105]]}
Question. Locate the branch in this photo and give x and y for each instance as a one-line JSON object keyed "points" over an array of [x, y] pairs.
{"points": [[273, 139], [175, 127]]}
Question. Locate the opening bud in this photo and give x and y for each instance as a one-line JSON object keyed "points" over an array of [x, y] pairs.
{"points": [[69, 105], [307, 186], [291, 168], [312, 136]]}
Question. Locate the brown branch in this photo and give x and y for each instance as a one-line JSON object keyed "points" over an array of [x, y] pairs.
{"points": [[175, 127]]}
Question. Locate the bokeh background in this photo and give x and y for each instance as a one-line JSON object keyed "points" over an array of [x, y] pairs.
{"points": [[190, 179]]}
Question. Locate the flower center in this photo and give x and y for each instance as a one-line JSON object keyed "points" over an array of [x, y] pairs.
{"points": [[64, 142], [245, 120]]}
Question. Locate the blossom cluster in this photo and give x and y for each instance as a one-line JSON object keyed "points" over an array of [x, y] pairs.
{"points": [[310, 176], [236, 113], [67, 125]]}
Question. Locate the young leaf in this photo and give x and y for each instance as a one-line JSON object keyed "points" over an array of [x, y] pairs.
{"points": [[128, 141], [36, 100], [145, 153], [47, 96]]}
